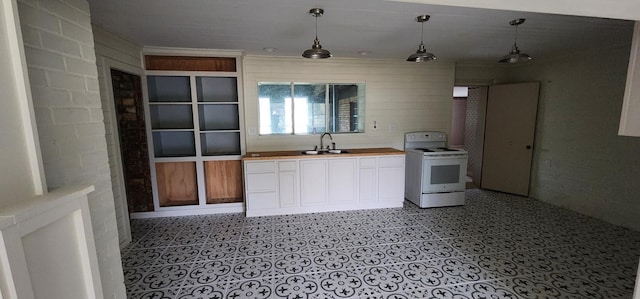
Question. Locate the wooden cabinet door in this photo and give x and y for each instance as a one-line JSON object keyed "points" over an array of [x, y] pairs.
{"points": [[177, 184], [223, 181]]}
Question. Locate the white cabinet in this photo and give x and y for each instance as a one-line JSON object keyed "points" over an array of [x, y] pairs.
{"points": [[368, 183], [261, 185], [342, 181], [288, 183], [390, 178], [319, 184], [313, 182]]}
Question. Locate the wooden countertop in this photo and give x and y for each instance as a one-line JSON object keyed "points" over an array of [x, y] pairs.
{"points": [[270, 155]]}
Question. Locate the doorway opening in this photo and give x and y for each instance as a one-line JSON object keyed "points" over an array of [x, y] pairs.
{"points": [[132, 137], [467, 128]]}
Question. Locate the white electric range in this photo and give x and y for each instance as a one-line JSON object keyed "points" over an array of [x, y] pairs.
{"points": [[435, 176]]}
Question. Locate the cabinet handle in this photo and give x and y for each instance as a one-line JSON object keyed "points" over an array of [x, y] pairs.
{"points": [[528, 146]]}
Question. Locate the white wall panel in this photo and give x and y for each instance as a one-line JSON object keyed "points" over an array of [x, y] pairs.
{"points": [[400, 97]]}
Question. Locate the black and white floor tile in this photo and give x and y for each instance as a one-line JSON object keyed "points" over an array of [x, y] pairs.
{"points": [[495, 246]]}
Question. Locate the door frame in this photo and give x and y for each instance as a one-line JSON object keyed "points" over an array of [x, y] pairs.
{"points": [[480, 129], [123, 212]]}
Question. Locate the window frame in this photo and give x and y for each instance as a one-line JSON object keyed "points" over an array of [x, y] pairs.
{"points": [[361, 95]]}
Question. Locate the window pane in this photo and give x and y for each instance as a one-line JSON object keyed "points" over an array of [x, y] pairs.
{"points": [[345, 101], [310, 108], [275, 109]]}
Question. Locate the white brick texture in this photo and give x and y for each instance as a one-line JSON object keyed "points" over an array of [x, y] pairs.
{"points": [[62, 69]]}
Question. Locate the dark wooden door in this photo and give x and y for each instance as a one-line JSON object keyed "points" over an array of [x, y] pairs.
{"points": [[127, 93]]}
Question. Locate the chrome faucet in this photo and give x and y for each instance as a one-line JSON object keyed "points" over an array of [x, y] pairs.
{"points": [[322, 137]]}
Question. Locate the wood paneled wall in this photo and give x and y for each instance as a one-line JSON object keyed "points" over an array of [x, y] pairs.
{"points": [[189, 63]]}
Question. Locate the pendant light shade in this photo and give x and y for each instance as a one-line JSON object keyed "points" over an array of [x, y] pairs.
{"points": [[514, 55], [316, 51], [422, 54]]}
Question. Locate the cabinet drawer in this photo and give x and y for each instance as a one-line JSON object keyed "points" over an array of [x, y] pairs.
{"points": [[395, 161], [261, 181], [262, 200], [367, 162], [287, 165], [266, 166]]}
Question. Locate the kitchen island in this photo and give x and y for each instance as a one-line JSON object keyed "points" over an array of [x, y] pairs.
{"points": [[291, 182]]}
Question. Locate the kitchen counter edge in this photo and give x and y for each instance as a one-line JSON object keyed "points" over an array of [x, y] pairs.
{"points": [[353, 152]]}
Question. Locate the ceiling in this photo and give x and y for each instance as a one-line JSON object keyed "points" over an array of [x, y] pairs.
{"points": [[382, 29]]}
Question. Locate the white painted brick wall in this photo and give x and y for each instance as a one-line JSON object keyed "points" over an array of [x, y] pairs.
{"points": [[60, 56]]}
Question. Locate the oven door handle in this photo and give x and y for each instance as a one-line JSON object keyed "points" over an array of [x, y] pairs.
{"points": [[444, 157]]}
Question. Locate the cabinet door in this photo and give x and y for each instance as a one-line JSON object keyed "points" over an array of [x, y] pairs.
{"points": [[313, 182], [342, 181], [223, 181], [368, 179], [288, 189], [257, 182], [391, 178], [391, 183], [288, 183], [177, 184], [368, 185], [262, 200]]}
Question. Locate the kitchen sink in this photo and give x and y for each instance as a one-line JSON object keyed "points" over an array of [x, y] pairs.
{"points": [[325, 152]]}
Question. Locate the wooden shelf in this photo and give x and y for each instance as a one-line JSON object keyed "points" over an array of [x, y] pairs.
{"points": [[177, 184], [195, 118], [223, 180]]}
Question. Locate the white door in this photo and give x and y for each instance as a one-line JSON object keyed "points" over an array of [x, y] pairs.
{"points": [[508, 138]]}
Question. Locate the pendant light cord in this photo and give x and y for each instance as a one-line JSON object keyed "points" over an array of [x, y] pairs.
{"points": [[316, 16]]}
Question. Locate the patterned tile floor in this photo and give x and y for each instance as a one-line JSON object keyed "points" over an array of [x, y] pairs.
{"points": [[496, 246]]}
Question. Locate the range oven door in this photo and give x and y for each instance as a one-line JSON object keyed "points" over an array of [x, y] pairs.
{"points": [[446, 173]]}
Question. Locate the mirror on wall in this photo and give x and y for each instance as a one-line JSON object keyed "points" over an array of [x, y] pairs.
{"points": [[311, 108]]}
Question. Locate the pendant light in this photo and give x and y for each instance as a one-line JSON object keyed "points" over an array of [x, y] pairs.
{"points": [[422, 54], [316, 51], [514, 55]]}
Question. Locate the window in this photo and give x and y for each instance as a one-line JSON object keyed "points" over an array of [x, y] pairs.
{"points": [[309, 108]]}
